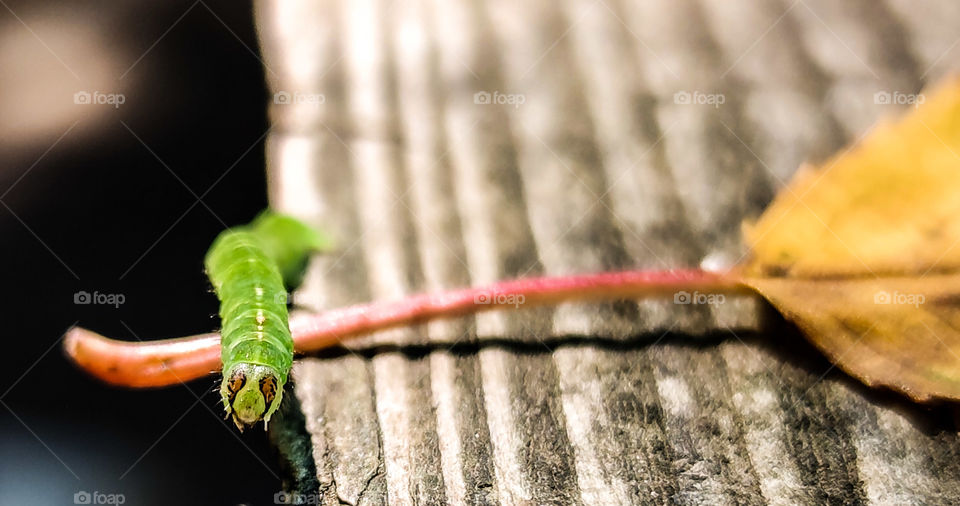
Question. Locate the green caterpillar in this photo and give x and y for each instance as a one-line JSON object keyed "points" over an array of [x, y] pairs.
{"points": [[251, 268]]}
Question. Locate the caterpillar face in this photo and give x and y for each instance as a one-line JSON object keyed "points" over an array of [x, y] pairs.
{"points": [[251, 393]]}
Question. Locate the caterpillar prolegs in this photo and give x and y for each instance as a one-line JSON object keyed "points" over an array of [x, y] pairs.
{"points": [[251, 267]]}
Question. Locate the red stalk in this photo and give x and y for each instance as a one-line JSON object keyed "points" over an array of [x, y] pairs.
{"points": [[171, 361]]}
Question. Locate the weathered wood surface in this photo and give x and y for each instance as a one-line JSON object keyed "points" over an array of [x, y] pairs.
{"points": [[599, 168]]}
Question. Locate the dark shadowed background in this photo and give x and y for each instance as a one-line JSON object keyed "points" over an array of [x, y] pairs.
{"points": [[103, 198]]}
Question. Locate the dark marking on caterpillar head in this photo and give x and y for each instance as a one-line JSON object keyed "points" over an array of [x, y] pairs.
{"points": [[235, 383], [268, 387]]}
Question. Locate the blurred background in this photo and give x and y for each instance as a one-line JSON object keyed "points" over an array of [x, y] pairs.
{"points": [[130, 135]]}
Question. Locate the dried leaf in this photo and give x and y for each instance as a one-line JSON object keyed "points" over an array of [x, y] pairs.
{"points": [[898, 332], [890, 205], [863, 254]]}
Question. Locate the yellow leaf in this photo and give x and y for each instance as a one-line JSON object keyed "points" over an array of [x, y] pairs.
{"points": [[890, 205], [863, 253]]}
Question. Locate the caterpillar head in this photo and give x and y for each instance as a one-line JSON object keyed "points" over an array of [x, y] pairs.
{"points": [[251, 393]]}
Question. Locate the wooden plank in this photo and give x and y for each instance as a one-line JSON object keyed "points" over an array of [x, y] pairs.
{"points": [[931, 35], [464, 442], [860, 60], [599, 168]]}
